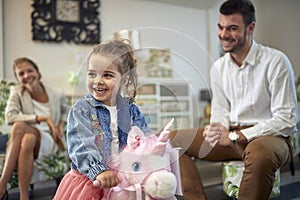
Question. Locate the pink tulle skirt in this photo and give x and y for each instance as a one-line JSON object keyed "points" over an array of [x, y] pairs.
{"points": [[75, 186]]}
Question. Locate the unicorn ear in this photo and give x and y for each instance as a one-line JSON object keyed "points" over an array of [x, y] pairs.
{"points": [[134, 136], [164, 135], [159, 148]]}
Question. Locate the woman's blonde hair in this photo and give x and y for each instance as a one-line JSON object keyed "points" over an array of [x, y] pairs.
{"points": [[24, 59]]}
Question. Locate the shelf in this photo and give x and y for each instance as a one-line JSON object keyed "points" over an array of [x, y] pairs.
{"points": [[160, 100]]}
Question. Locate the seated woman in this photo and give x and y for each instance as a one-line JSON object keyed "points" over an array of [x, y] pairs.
{"points": [[37, 114]]}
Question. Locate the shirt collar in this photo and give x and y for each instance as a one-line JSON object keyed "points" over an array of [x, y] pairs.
{"points": [[250, 58]]}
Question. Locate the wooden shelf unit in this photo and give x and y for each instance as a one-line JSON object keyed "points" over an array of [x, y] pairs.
{"points": [[160, 100]]}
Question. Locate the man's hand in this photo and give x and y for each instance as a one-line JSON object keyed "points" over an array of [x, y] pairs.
{"points": [[216, 132]]}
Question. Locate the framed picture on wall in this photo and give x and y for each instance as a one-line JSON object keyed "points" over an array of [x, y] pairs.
{"points": [[74, 21]]}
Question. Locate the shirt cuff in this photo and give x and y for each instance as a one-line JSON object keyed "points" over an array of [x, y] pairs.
{"points": [[95, 170], [250, 133]]}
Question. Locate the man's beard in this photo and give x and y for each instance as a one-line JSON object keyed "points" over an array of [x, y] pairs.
{"points": [[239, 46]]}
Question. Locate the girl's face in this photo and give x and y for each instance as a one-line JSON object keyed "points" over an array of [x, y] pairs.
{"points": [[103, 79], [27, 75]]}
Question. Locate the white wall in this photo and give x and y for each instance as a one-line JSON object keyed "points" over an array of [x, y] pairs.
{"points": [[278, 26], [161, 25], [56, 60], [1, 41], [188, 28]]}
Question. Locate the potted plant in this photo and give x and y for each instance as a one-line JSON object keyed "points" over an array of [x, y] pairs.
{"points": [[298, 89], [53, 166], [4, 94], [295, 140]]}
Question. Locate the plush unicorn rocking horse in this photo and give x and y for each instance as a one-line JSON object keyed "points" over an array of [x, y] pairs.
{"points": [[148, 168]]}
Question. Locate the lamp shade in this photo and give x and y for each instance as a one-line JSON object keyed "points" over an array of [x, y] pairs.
{"points": [[205, 95], [132, 35]]}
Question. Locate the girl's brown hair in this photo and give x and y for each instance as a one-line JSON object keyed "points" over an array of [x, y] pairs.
{"points": [[122, 56]]}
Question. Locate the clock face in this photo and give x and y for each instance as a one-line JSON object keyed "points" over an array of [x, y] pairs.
{"points": [[67, 10], [233, 136]]}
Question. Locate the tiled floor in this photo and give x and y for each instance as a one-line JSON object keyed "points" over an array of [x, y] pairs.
{"points": [[211, 176]]}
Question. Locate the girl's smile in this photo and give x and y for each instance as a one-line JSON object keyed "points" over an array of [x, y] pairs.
{"points": [[103, 79]]}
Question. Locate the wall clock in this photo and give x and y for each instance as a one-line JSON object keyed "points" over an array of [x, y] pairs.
{"points": [[67, 11], [66, 20]]}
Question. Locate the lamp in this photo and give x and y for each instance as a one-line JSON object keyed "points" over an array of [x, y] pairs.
{"points": [[132, 35], [206, 96]]}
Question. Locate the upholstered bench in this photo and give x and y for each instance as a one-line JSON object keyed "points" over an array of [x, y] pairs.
{"points": [[54, 169], [232, 172]]}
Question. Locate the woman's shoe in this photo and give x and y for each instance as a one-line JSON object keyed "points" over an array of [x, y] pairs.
{"points": [[5, 196]]}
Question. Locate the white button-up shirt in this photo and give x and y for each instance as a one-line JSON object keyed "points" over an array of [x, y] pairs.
{"points": [[261, 92]]}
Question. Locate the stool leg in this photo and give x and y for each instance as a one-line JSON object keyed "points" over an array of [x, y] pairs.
{"points": [[31, 186], [31, 190], [292, 167]]}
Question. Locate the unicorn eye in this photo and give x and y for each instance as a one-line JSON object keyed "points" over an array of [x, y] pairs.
{"points": [[136, 166]]}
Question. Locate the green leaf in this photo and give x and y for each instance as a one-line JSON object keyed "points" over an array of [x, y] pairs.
{"points": [[4, 95], [53, 166]]}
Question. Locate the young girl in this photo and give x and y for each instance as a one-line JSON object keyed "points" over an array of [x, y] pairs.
{"points": [[98, 124]]}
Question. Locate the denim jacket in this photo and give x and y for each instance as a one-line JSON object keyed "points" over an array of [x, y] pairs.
{"points": [[89, 136]]}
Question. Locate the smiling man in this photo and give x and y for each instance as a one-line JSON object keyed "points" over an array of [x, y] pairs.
{"points": [[253, 109]]}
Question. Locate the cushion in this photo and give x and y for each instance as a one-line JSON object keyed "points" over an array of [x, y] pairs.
{"points": [[232, 172]]}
